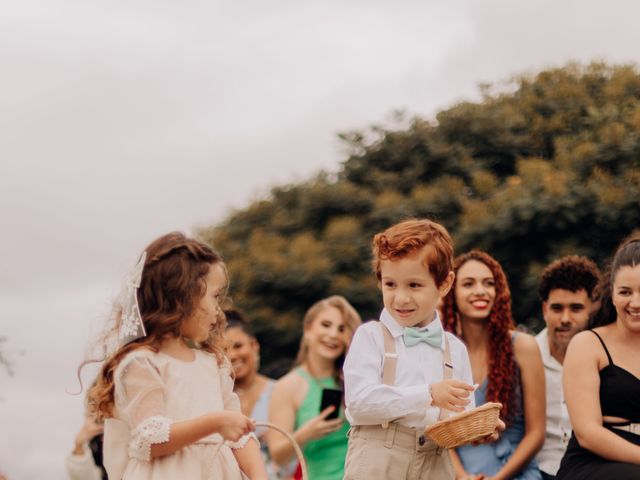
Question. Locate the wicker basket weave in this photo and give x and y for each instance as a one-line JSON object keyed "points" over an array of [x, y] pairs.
{"points": [[465, 427]]}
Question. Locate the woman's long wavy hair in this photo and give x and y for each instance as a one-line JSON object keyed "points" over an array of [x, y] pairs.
{"points": [[501, 368], [172, 284], [627, 255], [351, 319]]}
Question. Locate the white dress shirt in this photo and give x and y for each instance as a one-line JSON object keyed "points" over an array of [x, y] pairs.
{"points": [[370, 402], [558, 423]]}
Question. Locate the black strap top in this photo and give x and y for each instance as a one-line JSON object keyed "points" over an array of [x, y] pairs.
{"points": [[619, 390]]}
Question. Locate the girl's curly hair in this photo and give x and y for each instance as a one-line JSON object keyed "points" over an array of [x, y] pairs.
{"points": [[501, 368], [173, 281]]}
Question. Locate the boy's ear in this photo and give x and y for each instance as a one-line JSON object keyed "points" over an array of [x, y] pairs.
{"points": [[447, 284]]}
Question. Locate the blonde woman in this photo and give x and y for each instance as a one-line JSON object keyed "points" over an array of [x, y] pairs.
{"points": [[328, 327]]}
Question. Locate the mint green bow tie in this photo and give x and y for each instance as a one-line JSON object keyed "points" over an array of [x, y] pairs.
{"points": [[413, 336]]}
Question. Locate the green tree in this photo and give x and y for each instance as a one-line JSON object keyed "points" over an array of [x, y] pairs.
{"points": [[544, 165]]}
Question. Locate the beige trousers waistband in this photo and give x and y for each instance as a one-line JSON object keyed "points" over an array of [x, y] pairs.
{"points": [[399, 435]]}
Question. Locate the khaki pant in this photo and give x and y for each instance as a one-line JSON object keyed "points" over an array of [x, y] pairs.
{"points": [[395, 453]]}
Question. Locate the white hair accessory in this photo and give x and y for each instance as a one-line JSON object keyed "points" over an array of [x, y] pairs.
{"points": [[126, 322]]}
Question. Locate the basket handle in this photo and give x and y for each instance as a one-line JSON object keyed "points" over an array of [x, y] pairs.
{"points": [[294, 444]]}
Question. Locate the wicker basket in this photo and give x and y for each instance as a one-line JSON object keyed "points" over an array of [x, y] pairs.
{"points": [[465, 427], [294, 444]]}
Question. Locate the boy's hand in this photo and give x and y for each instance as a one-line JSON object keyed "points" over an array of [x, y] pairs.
{"points": [[451, 394]]}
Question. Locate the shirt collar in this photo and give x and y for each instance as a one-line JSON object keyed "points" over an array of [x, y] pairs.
{"points": [[547, 359], [397, 330]]}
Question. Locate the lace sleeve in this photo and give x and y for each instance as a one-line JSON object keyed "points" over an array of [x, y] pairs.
{"points": [[152, 430], [142, 405], [242, 442]]}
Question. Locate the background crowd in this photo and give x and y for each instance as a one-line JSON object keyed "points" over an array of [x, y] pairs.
{"points": [[523, 373]]}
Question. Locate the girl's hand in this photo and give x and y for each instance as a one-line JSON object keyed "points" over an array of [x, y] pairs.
{"points": [[319, 426], [451, 395], [233, 425]]}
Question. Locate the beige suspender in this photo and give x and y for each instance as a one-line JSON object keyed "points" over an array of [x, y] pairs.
{"points": [[390, 360], [390, 357], [447, 371]]}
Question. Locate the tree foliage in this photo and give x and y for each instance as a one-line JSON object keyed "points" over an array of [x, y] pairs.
{"points": [[545, 165]]}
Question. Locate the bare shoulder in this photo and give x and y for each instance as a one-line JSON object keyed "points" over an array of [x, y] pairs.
{"points": [[585, 352], [526, 352], [525, 344], [584, 343], [289, 386]]}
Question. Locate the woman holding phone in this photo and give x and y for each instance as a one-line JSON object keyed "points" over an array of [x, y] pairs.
{"points": [[295, 406]]}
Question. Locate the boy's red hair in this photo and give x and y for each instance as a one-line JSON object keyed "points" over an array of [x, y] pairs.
{"points": [[411, 236]]}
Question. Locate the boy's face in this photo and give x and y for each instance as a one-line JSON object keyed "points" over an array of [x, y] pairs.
{"points": [[409, 292]]}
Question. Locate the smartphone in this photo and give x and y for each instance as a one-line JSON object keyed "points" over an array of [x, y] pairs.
{"points": [[331, 396]]}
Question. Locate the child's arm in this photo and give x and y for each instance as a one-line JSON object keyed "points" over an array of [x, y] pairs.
{"points": [[152, 433], [368, 400], [454, 395], [246, 449], [230, 425], [250, 461]]}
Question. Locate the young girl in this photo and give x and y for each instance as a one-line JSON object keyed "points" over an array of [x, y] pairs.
{"points": [[602, 380], [295, 404], [506, 364], [167, 396]]}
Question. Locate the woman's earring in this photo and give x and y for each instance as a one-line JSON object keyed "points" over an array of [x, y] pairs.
{"points": [[257, 361]]}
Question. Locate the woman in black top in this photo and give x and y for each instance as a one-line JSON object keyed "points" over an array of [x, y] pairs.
{"points": [[602, 380]]}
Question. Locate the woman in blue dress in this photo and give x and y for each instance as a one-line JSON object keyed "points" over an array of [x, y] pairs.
{"points": [[506, 365]]}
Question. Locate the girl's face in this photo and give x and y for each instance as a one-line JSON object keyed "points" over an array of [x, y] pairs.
{"points": [[475, 290], [327, 335], [243, 352], [207, 312], [626, 297]]}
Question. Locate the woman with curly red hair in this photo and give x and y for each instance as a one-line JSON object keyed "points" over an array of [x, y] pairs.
{"points": [[507, 366]]}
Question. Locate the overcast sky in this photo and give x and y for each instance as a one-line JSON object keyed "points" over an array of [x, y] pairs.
{"points": [[122, 120]]}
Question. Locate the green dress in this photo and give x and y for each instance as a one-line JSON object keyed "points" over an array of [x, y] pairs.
{"points": [[325, 456]]}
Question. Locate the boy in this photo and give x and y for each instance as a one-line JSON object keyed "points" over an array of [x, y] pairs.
{"points": [[389, 411], [568, 290]]}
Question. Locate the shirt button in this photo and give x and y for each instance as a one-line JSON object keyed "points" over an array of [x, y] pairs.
{"points": [[421, 440]]}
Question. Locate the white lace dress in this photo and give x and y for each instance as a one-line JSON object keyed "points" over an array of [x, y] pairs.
{"points": [[153, 390]]}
